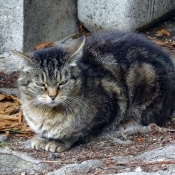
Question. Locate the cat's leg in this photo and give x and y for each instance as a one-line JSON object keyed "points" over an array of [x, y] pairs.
{"points": [[132, 127], [39, 143]]}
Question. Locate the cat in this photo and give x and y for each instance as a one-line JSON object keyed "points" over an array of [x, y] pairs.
{"points": [[94, 85]]}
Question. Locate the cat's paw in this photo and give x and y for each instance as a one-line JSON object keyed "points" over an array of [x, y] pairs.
{"points": [[47, 145]]}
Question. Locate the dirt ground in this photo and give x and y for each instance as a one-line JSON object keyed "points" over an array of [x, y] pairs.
{"points": [[103, 147], [106, 146]]}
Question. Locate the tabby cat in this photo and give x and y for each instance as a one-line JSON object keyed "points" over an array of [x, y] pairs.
{"points": [[94, 85]]}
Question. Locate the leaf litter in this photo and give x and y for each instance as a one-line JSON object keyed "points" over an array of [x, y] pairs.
{"points": [[11, 118]]}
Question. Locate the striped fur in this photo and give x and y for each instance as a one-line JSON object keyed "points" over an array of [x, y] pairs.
{"points": [[109, 80]]}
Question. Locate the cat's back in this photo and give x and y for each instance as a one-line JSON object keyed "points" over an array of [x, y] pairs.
{"points": [[131, 66], [123, 46]]}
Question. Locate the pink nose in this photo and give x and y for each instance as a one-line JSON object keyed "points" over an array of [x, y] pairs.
{"points": [[52, 96]]}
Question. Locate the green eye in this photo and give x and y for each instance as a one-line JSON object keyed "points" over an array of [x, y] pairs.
{"points": [[63, 82]]}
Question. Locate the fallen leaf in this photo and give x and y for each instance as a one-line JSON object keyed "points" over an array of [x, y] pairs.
{"points": [[162, 32], [9, 104], [11, 119], [81, 31], [140, 139], [44, 45], [159, 43], [173, 44], [2, 96], [97, 172]]}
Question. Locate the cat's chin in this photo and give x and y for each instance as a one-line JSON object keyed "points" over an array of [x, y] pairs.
{"points": [[53, 104]]}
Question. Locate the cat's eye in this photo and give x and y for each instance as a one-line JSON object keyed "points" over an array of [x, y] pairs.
{"points": [[42, 85], [62, 83], [39, 84]]}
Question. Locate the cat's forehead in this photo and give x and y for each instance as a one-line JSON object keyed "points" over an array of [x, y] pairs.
{"points": [[49, 61], [49, 57]]}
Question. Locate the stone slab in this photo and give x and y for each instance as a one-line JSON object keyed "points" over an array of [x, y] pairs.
{"points": [[160, 154], [9, 167], [124, 15], [10, 164], [26, 23]]}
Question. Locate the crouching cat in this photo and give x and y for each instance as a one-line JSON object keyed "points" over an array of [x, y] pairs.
{"points": [[95, 84]]}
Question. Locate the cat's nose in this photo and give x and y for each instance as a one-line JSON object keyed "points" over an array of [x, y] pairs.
{"points": [[52, 97]]}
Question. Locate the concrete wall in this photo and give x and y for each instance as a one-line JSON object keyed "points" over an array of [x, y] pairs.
{"points": [[121, 14], [11, 25], [26, 23], [48, 20]]}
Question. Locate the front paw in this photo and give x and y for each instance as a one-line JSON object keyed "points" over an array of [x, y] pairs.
{"points": [[47, 145]]}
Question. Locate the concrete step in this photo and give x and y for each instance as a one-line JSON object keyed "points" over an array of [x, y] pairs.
{"points": [[122, 15], [26, 23]]}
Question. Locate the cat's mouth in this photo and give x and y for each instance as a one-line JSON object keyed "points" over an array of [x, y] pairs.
{"points": [[53, 104]]}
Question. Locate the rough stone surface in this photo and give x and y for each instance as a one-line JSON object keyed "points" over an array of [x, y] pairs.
{"points": [[12, 162], [11, 25], [78, 168], [12, 165], [3, 137], [48, 20], [121, 15], [159, 154], [26, 23]]}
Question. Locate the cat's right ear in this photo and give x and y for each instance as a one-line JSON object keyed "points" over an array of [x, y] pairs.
{"points": [[74, 48], [24, 60]]}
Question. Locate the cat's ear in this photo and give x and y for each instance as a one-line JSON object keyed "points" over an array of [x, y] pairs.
{"points": [[23, 55], [24, 59], [75, 48]]}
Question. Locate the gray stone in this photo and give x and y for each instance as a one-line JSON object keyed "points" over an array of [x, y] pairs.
{"points": [[26, 23], [12, 165], [159, 154], [77, 168], [10, 64], [14, 162], [3, 138], [171, 171], [121, 15], [136, 173], [11, 25]]}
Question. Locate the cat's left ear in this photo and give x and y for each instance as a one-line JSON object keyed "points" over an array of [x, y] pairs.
{"points": [[74, 48]]}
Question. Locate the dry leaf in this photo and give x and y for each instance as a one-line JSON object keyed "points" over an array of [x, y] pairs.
{"points": [[2, 96], [44, 45], [11, 119], [162, 32], [140, 139], [160, 43], [81, 31], [9, 104], [173, 44], [97, 172]]}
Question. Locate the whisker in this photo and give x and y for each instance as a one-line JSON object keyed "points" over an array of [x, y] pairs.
{"points": [[82, 105]]}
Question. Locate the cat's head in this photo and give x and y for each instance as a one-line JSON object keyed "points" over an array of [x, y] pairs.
{"points": [[50, 76]]}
